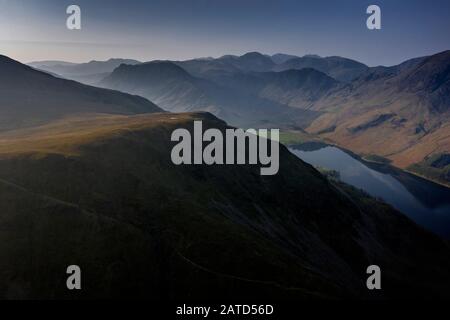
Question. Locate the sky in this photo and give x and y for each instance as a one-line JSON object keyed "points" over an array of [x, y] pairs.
{"points": [[33, 30]]}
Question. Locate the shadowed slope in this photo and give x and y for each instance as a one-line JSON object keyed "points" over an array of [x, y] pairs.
{"points": [[29, 97]]}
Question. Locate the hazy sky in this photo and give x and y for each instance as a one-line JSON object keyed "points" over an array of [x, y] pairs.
{"points": [[168, 29]]}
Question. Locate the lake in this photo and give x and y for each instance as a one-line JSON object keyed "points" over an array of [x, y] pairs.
{"points": [[425, 202]]}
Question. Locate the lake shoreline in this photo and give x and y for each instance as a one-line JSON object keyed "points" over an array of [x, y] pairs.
{"points": [[363, 159]]}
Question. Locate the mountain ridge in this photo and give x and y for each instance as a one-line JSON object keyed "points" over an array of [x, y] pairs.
{"points": [[30, 97]]}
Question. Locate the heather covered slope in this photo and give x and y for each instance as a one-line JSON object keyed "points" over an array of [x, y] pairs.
{"points": [[102, 193], [29, 97]]}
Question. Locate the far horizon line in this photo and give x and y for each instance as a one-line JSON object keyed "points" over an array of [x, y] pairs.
{"points": [[225, 55]]}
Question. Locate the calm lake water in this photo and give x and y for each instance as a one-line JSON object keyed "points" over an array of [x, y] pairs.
{"points": [[427, 203]]}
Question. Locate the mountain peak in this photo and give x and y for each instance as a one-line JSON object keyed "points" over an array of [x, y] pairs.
{"points": [[149, 74], [253, 54], [162, 67], [251, 61]]}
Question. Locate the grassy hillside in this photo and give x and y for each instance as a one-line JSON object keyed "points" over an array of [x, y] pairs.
{"points": [[102, 193]]}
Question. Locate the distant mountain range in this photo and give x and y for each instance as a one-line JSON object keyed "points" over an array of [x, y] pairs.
{"points": [[88, 73], [174, 89], [230, 86], [339, 68], [400, 113]]}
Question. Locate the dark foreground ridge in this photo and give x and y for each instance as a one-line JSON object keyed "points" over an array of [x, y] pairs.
{"points": [[102, 193]]}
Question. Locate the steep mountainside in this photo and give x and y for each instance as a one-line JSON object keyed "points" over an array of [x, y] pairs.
{"points": [[295, 88], [29, 97], [102, 193], [401, 113]]}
